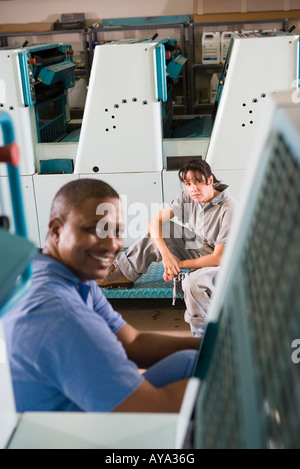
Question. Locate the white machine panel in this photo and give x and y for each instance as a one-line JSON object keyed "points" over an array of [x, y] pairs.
{"points": [[54, 150], [46, 186], [11, 101], [29, 206], [8, 416], [172, 186], [95, 431], [177, 147], [121, 129], [233, 179], [141, 196], [67, 430], [257, 66]]}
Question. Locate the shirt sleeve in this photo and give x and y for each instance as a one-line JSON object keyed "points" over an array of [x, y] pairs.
{"points": [[178, 206], [84, 360], [104, 309], [224, 226]]}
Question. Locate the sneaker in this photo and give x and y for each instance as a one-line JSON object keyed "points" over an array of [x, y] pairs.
{"points": [[114, 279]]}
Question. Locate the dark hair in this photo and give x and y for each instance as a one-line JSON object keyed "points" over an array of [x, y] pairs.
{"points": [[197, 165], [74, 193]]}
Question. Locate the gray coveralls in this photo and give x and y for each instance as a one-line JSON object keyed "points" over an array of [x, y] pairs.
{"points": [[197, 231]]}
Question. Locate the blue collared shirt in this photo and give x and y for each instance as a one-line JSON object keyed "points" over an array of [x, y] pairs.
{"points": [[62, 345]]}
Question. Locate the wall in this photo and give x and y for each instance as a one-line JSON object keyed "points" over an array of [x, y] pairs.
{"points": [[22, 11], [26, 11], [243, 6]]}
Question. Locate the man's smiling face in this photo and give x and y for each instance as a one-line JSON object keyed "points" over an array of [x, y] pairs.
{"points": [[87, 243]]}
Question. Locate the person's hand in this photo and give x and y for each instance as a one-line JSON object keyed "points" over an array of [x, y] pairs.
{"points": [[171, 266]]}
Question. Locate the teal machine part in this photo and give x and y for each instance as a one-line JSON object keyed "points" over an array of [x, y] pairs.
{"points": [[16, 251], [47, 64], [145, 20], [56, 73], [9, 154], [175, 66], [47, 71], [161, 73], [57, 166], [51, 127]]}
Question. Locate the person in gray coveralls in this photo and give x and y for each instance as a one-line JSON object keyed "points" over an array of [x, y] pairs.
{"points": [[195, 242]]}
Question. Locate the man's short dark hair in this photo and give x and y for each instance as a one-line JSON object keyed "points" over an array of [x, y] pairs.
{"points": [[74, 193], [197, 165]]}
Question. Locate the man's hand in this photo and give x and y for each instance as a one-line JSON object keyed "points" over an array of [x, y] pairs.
{"points": [[171, 266]]}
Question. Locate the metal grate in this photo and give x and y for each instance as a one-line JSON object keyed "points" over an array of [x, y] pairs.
{"points": [[271, 263], [53, 131], [220, 395], [250, 394], [150, 285]]}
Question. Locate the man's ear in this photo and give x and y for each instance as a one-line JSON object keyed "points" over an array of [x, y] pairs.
{"points": [[210, 179], [55, 226]]}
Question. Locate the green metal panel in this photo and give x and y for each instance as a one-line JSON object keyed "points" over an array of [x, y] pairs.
{"points": [[146, 20], [250, 391]]}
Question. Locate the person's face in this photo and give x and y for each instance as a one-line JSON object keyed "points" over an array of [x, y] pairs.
{"points": [[89, 239], [198, 189]]}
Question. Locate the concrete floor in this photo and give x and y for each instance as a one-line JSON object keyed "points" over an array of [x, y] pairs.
{"points": [[154, 314]]}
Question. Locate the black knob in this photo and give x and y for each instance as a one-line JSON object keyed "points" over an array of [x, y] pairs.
{"points": [[4, 222]]}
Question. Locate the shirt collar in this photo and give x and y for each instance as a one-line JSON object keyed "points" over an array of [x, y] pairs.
{"points": [[56, 270], [224, 192], [83, 290]]}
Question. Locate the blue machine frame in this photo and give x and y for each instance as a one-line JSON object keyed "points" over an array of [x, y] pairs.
{"points": [[16, 251]]}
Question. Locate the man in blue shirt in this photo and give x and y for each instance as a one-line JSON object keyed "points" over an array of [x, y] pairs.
{"points": [[68, 349]]}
